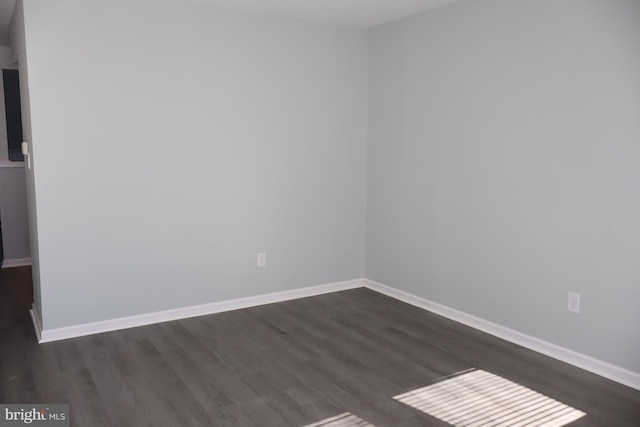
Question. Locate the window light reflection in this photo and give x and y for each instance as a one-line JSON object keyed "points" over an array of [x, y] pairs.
{"points": [[478, 398], [343, 420]]}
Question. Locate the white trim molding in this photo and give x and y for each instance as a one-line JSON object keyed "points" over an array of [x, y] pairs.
{"points": [[37, 324], [599, 367], [48, 335], [18, 262]]}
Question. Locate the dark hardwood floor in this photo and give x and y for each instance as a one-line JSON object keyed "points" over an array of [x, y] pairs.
{"points": [[341, 356]]}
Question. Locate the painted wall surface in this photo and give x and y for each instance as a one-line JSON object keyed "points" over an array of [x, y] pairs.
{"points": [[6, 58], [13, 212], [172, 143], [503, 166], [13, 202], [17, 36]]}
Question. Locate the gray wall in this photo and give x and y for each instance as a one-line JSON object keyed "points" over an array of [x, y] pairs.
{"points": [[13, 212], [13, 203], [17, 36], [503, 166], [6, 58], [172, 143]]}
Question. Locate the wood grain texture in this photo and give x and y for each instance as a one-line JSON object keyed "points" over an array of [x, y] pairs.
{"points": [[286, 364]]}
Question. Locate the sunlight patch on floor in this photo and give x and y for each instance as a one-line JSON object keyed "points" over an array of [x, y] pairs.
{"points": [[479, 398], [343, 420]]}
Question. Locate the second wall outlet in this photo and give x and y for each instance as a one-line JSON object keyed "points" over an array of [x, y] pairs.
{"points": [[262, 259], [573, 302]]}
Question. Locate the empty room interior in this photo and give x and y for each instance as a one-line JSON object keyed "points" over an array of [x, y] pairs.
{"points": [[322, 212]]}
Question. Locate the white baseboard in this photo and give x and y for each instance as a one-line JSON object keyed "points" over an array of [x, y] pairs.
{"points": [[607, 370], [48, 335], [37, 324], [19, 262]]}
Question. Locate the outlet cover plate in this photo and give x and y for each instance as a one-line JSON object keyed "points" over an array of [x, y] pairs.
{"points": [[573, 302], [262, 259]]}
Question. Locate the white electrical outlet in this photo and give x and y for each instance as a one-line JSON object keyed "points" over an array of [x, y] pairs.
{"points": [[262, 259], [573, 302]]}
